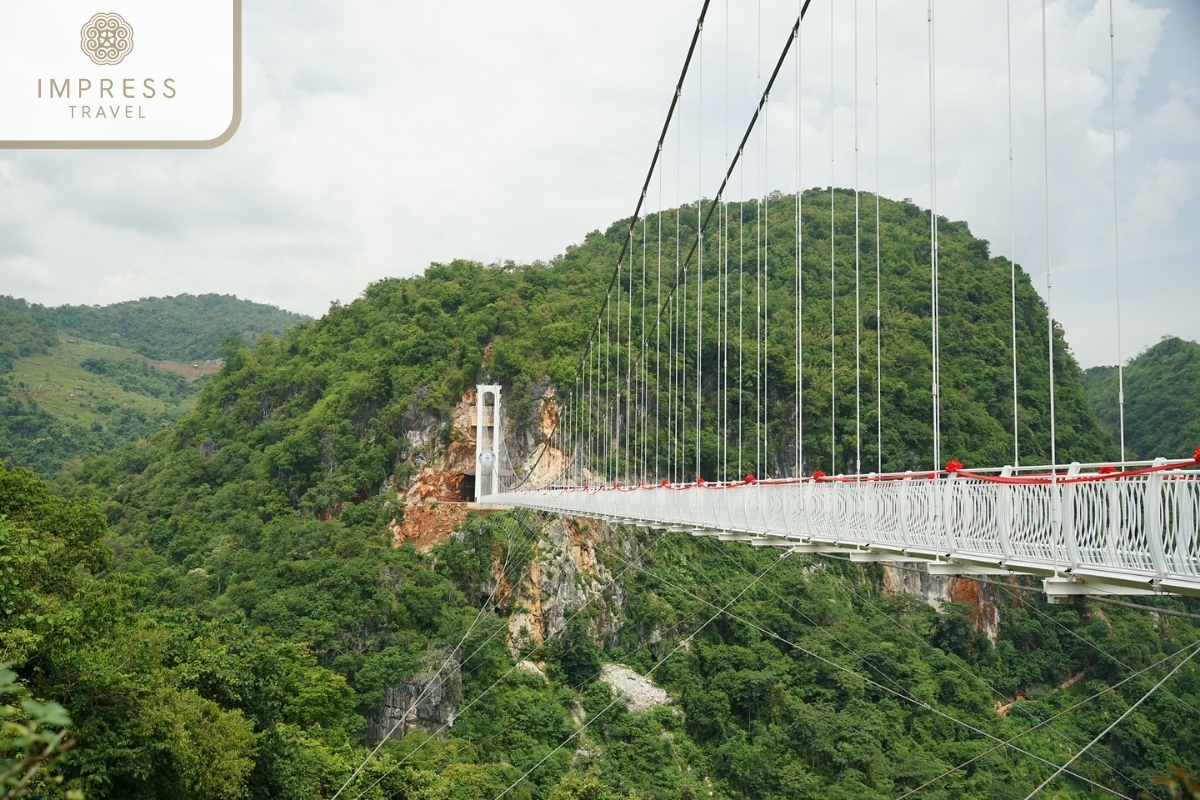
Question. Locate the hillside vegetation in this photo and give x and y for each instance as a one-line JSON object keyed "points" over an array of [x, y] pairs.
{"points": [[255, 612], [67, 391], [181, 328], [1162, 412]]}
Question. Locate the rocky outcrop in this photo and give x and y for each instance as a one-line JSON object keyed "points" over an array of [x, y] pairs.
{"points": [[638, 692], [440, 453], [937, 590], [428, 700], [564, 576], [427, 524]]}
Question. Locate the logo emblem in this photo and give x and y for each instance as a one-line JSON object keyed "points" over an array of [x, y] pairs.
{"points": [[106, 39]]}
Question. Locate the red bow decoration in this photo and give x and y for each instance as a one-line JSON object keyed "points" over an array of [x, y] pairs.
{"points": [[663, 482], [750, 478], [1196, 455], [1107, 470], [953, 466], [699, 481], [818, 475]]}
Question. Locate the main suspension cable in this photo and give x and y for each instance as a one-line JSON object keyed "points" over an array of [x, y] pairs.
{"points": [[682, 268]]}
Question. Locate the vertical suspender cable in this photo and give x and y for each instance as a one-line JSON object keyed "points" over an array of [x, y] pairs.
{"points": [[766, 285], [741, 302], [594, 340], [1049, 283], [933, 247], [683, 383], [857, 270], [1012, 233], [878, 264], [608, 415], [797, 471], [678, 323], [644, 393], [658, 393], [1055, 520], [699, 245], [725, 277], [630, 442], [1112, 71], [832, 273], [615, 413], [681, 276], [758, 277]]}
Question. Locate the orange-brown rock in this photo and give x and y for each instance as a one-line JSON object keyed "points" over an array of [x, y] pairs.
{"points": [[427, 524], [984, 614]]}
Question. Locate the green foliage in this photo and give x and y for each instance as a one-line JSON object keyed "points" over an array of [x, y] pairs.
{"points": [[222, 610], [24, 330], [181, 328], [133, 375], [976, 351], [1161, 412], [32, 437], [32, 739]]}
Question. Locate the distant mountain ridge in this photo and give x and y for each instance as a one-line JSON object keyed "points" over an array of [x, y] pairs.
{"points": [[1162, 412], [185, 327], [75, 380]]}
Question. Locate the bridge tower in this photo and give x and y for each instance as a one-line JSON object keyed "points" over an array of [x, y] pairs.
{"points": [[488, 430]]}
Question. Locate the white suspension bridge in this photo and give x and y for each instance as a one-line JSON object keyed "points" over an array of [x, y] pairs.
{"points": [[666, 410]]}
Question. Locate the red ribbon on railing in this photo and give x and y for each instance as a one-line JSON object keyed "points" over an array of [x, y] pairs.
{"points": [[953, 467]]}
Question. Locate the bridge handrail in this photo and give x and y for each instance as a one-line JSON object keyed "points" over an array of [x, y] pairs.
{"points": [[1034, 475]]}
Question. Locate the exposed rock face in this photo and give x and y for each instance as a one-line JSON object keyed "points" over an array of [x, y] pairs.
{"points": [[936, 590], [442, 456], [442, 453], [427, 524], [640, 693], [429, 700], [563, 577]]}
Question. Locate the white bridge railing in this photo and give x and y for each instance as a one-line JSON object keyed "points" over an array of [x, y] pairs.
{"points": [[1129, 532]]}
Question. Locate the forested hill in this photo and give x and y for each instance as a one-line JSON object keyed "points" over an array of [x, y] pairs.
{"points": [[181, 328], [80, 380], [249, 614], [1162, 399]]}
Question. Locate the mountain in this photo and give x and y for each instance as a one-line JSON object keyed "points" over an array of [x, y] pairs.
{"points": [[183, 328], [63, 397], [285, 577], [1162, 417]]}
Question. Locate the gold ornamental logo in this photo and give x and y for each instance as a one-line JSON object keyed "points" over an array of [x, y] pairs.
{"points": [[106, 39]]}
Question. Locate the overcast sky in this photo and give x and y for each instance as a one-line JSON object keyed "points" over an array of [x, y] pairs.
{"points": [[377, 137]]}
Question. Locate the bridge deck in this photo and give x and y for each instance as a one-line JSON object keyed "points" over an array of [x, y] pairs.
{"points": [[1131, 532]]}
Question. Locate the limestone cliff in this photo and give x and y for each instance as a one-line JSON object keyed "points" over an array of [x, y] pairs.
{"points": [[936, 590]]}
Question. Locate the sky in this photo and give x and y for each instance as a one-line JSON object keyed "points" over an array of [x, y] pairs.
{"points": [[382, 135]]}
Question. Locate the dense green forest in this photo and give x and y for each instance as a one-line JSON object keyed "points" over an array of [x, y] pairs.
{"points": [[220, 609], [181, 328], [1162, 415], [63, 399]]}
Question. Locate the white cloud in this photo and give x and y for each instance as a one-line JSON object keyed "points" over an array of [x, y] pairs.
{"points": [[377, 137]]}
